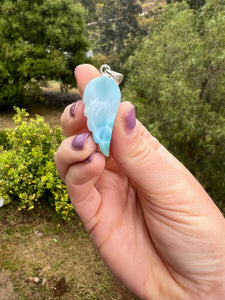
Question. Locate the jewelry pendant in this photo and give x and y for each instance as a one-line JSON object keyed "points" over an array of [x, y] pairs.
{"points": [[101, 99]]}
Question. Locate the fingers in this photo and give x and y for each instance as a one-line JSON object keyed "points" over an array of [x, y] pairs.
{"points": [[132, 147], [79, 165], [81, 179], [73, 120], [73, 150]]}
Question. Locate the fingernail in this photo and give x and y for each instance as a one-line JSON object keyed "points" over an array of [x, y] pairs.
{"points": [[130, 118], [89, 159], [72, 109], [79, 141]]}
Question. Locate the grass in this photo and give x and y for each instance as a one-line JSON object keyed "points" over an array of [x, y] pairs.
{"points": [[51, 114], [54, 86], [61, 254]]}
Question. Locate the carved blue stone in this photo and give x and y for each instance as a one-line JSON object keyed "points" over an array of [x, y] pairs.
{"points": [[101, 99]]}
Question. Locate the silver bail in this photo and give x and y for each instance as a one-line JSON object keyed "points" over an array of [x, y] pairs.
{"points": [[106, 71]]}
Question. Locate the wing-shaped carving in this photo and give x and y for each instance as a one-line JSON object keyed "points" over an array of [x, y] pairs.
{"points": [[101, 99]]}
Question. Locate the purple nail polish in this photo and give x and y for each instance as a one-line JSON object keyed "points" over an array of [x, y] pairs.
{"points": [[131, 118], [79, 141], [89, 159], [72, 109]]}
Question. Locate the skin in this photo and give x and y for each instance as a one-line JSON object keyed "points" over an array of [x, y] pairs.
{"points": [[154, 225]]}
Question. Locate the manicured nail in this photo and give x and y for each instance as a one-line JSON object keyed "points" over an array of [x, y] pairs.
{"points": [[79, 141], [89, 159], [72, 109], [130, 118]]}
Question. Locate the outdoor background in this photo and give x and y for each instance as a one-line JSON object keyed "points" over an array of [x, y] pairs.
{"points": [[172, 54]]}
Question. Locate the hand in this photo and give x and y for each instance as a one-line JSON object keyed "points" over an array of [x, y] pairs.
{"points": [[154, 225]]}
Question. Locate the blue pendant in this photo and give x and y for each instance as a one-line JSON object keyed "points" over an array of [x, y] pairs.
{"points": [[101, 99]]}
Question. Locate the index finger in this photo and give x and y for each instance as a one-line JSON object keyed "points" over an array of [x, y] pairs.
{"points": [[84, 74], [73, 121]]}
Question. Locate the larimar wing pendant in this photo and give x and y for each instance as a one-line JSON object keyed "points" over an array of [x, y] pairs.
{"points": [[101, 99]]}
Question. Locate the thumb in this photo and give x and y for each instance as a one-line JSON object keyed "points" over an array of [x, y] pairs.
{"points": [[146, 162]]}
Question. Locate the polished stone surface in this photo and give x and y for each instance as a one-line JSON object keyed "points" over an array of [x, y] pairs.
{"points": [[101, 99]]}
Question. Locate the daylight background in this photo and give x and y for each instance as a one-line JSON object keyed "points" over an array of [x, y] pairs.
{"points": [[172, 55]]}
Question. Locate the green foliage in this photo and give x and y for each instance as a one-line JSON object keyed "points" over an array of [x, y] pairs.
{"points": [[176, 79], [119, 20], [4, 142], [40, 40], [114, 23], [196, 4], [27, 169], [91, 11]]}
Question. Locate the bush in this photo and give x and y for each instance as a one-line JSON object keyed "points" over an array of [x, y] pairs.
{"points": [[28, 174], [4, 142]]}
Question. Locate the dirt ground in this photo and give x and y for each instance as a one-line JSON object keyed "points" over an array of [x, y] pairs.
{"points": [[6, 287], [51, 106], [43, 257]]}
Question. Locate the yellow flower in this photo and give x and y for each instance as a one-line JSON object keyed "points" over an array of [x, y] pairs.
{"points": [[28, 142]]}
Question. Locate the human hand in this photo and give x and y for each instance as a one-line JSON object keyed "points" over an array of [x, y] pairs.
{"points": [[154, 225]]}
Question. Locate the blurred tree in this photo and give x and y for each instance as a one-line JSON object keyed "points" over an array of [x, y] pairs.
{"points": [[176, 77], [192, 3], [90, 6], [117, 22], [40, 39]]}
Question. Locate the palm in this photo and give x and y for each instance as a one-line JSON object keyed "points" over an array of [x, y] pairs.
{"points": [[144, 249], [121, 234]]}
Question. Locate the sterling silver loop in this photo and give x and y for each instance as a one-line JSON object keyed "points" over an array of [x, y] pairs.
{"points": [[106, 71]]}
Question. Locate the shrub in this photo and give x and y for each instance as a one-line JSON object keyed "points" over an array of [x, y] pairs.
{"points": [[4, 139], [28, 174]]}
